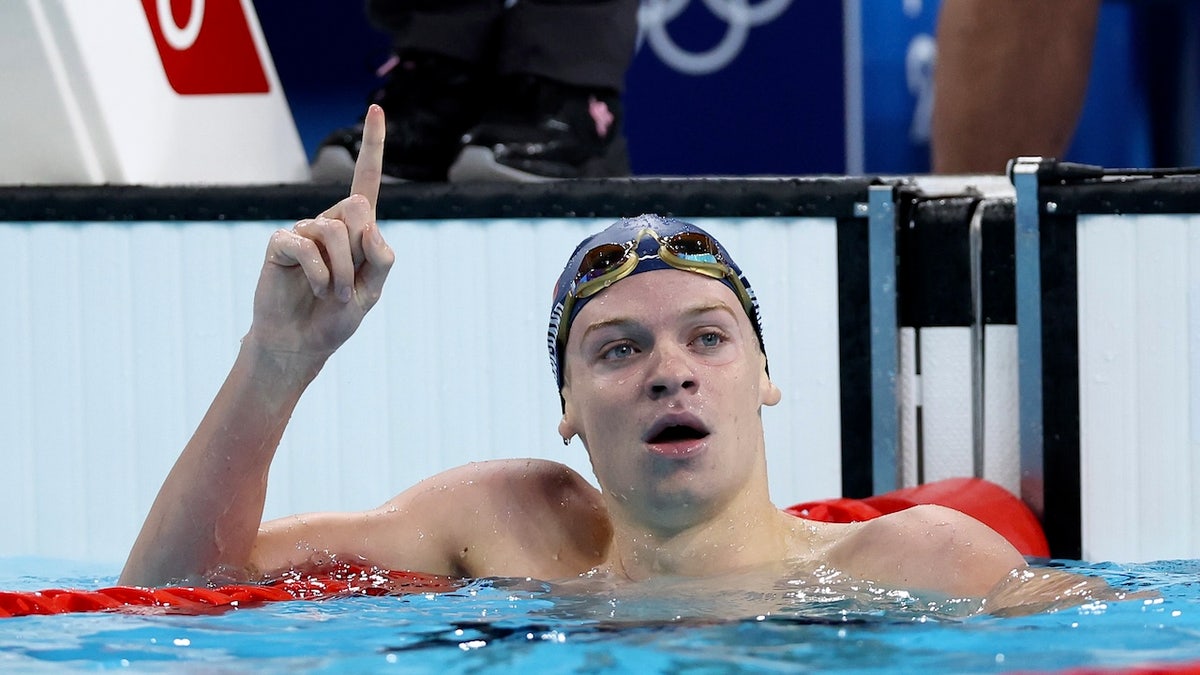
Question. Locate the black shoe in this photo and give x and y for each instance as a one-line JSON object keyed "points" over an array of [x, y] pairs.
{"points": [[430, 101], [545, 130]]}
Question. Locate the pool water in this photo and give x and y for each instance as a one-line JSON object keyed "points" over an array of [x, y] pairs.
{"points": [[518, 625]]}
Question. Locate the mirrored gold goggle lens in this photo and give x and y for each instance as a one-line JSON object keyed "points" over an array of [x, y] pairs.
{"points": [[602, 260], [608, 263], [693, 246]]}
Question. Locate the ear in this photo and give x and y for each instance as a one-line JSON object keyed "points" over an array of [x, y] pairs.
{"points": [[566, 429], [768, 393], [566, 425]]}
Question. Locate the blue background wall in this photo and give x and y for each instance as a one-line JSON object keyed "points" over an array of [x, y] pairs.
{"points": [[775, 108], [778, 106]]}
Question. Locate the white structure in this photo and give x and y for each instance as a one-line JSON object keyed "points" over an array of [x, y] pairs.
{"points": [[116, 91], [1139, 385], [117, 336]]}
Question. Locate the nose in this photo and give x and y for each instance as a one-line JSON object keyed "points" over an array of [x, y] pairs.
{"points": [[671, 373]]}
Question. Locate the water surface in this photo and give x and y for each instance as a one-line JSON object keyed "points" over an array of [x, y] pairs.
{"points": [[592, 626]]}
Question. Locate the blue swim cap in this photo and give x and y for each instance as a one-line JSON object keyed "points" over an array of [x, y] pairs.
{"points": [[631, 246]]}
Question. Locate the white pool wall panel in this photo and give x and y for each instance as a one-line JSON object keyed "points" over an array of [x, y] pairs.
{"points": [[934, 387], [1001, 418], [945, 354], [118, 336], [1139, 358]]}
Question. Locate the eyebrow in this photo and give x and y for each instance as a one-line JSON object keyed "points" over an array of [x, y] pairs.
{"points": [[688, 313]]}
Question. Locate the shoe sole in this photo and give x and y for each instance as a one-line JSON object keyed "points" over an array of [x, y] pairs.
{"points": [[332, 165], [335, 165]]}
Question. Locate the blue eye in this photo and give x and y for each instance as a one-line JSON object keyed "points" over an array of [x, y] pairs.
{"points": [[710, 340], [621, 351]]}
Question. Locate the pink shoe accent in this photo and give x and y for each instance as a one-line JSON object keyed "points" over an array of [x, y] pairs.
{"points": [[386, 66], [601, 115]]}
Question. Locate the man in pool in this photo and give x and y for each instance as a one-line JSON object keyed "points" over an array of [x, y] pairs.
{"points": [[656, 346]]}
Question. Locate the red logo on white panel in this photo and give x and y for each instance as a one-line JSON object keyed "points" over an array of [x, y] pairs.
{"points": [[206, 46]]}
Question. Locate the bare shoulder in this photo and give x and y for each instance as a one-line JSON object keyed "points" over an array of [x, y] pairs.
{"points": [[513, 517], [510, 517], [927, 547], [502, 479]]}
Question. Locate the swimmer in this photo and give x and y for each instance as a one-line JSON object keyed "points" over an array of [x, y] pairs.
{"points": [[656, 346]]}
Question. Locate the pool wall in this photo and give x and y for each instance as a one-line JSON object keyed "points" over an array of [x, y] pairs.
{"points": [[128, 330], [125, 306], [1139, 359], [121, 332]]}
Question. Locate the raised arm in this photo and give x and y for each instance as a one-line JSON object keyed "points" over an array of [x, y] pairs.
{"points": [[318, 281]]}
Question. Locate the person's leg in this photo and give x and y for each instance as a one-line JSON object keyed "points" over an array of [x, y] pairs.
{"points": [[435, 89], [1010, 80], [585, 43], [460, 29], [557, 111]]}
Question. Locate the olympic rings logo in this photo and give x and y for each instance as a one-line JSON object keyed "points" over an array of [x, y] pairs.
{"points": [[180, 38], [739, 15]]}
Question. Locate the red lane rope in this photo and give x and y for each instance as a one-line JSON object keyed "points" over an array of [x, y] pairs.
{"points": [[339, 580], [987, 502]]}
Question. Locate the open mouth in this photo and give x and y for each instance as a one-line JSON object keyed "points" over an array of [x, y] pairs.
{"points": [[676, 428], [677, 432]]}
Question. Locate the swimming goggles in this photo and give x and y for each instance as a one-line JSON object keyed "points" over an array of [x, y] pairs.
{"points": [[606, 264]]}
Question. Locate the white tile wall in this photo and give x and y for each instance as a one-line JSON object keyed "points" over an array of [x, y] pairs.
{"points": [[1139, 353], [115, 337], [942, 394]]}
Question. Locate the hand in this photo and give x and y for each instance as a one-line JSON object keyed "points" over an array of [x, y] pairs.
{"points": [[321, 277]]}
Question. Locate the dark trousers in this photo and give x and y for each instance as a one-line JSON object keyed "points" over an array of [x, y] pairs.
{"points": [[579, 42]]}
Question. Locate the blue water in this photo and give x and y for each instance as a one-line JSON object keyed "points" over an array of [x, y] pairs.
{"points": [[528, 626]]}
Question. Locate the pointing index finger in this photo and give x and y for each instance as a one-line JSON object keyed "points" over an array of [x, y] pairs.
{"points": [[368, 170]]}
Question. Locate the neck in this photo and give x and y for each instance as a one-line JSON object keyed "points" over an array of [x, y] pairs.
{"points": [[745, 535]]}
